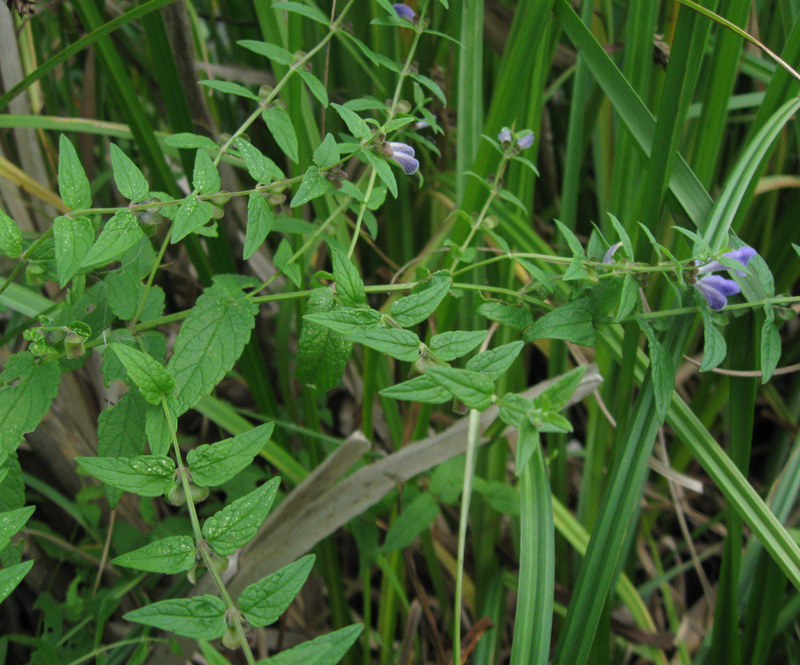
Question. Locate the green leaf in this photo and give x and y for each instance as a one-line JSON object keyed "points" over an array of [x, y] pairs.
{"points": [[315, 86], [230, 88], [215, 464], [147, 475], [628, 299], [192, 214], [29, 389], [260, 218], [770, 345], [527, 443], [327, 649], [10, 236], [474, 389], [349, 287], [400, 344], [121, 432], [282, 129], [265, 601], [572, 322], [623, 236], [383, 170], [451, 345], [189, 141], [576, 269], [281, 260], [327, 153], [663, 370], [154, 343], [237, 523], [120, 233], [73, 238], [321, 353], [206, 178], [516, 317], [11, 522], [211, 339], [261, 168], [274, 53], [314, 185], [430, 85], [10, 577], [494, 362], [73, 184], [130, 180], [169, 556], [346, 320], [201, 617], [355, 123], [559, 393], [152, 378], [415, 518], [714, 347], [309, 12], [421, 389], [421, 302], [157, 426]]}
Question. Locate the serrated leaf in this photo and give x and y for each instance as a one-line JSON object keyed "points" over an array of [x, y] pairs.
{"points": [[321, 353], [265, 601], [516, 317], [430, 85], [260, 218], [662, 370], [205, 178], [151, 377], [421, 389], [261, 168], [629, 297], [473, 389], [309, 12], [120, 233], [215, 464], [73, 239], [400, 344], [73, 185], [10, 236], [714, 346], [237, 523], [282, 130], [192, 214], [130, 180], [154, 343], [313, 185], [572, 322], [355, 123], [157, 426], [29, 389], [282, 259], [147, 475], [383, 170], [557, 395], [11, 521], [230, 88], [494, 362], [415, 518], [349, 287], [121, 432], [346, 320], [169, 556], [274, 53], [770, 345], [327, 649], [422, 302], [327, 153], [201, 617], [211, 339], [189, 141], [451, 345], [378, 60], [315, 86], [11, 577]]}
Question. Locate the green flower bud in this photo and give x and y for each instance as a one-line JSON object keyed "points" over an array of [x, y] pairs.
{"points": [[73, 345], [34, 274], [175, 496]]}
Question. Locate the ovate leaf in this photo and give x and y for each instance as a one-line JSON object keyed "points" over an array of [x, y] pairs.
{"points": [[192, 214], [327, 649], [357, 126], [321, 353], [421, 389], [169, 556], [73, 184], [313, 185], [770, 345], [10, 236], [215, 464], [147, 475], [206, 178], [73, 238], [415, 518], [261, 168], [130, 180], [400, 344], [11, 577], [201, 617], [572, 322], [265, 601], [11, 521], [474, 389], [494, 362], [152, 378], [349, 287], [451, 345], [120, 233], [260, 218], [282, 129], [421, 302]]}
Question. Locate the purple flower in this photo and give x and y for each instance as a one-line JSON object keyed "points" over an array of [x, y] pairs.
{"points": [[504, 136], [717, 289], [609, 257], [525, 141], [403, 154], [404, 11]]}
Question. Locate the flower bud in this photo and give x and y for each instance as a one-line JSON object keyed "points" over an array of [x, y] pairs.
{"points": [[73, 345], [403, 106], [265, 91], [175, 495], [198, 493], [490, 222], [231, 639], [34, 274]]}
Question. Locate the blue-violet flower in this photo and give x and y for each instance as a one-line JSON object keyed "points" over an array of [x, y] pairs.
{"points": [[716, 289], [404, 11], [525, 141], [608, 259], [504, 136], [403, 154]]}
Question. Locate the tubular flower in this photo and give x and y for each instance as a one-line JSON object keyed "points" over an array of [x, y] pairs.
{"points": [[505, 136], [609, 257], [716, 289], [404, 11], [402, 154], [525, 141]]}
